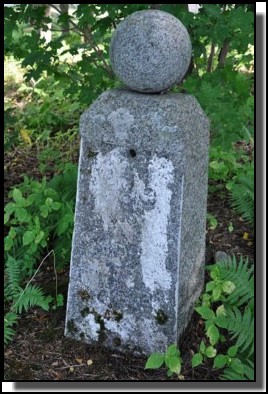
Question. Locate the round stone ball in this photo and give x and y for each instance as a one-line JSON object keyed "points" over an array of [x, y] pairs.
{"points": [[150, 51]]}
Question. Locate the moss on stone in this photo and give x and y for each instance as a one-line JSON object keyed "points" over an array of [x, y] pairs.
{"points": [[84, 312], [84, 295], [117, 315]]}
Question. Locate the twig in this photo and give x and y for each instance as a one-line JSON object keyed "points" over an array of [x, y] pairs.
{"points": [[70, 366]]}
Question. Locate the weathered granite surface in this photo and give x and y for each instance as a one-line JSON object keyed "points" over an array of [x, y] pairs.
{"points": [[139, 239], [150, 51]]}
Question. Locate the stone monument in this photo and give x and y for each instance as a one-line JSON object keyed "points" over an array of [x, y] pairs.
{"points": [[138, 249]]}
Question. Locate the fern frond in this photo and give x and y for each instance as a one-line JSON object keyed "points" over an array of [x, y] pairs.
{"points": [[241, 274], [12, 277], [242, 195], [229, 374], [248, 372], [242, 328], [9, 320], [31, 296]]}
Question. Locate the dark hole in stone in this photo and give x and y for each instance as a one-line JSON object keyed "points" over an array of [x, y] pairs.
{"points": [[117, 341], [132, 152]]}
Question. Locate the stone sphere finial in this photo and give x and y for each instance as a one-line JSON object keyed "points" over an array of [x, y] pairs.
{"points": [[150, 51]]}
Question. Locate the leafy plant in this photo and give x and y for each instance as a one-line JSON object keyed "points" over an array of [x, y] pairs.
{"points": [[171, 359], [232, 289], [41, 213], [212, 220], [224, 167]]}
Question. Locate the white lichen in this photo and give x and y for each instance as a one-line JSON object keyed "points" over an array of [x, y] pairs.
{"points": [[154, 242]]}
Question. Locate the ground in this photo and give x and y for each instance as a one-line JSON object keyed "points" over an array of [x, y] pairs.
{"points": [[39, 350]]}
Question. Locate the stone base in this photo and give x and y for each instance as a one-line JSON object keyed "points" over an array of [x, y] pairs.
{"points": [[139, 240]]}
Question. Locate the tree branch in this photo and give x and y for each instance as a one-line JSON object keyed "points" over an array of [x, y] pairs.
{"points": [[89, 36], [210, 58]]}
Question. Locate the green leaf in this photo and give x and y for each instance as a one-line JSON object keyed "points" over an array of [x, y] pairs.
{"points": [[202, 347], [60, 300], [221, 321], [197, 359], [232, 351], [220, 311], [172, 350], [22, 214], [169, 373], [44, 211], [215, 273], [216, 293], [210, 286], [17, 195], [211, 352], [28, 237], [56, 206], [155, 361], [39, 237], [6, 217], [213, 334], [10, 207], [237, 366], [174, 364], [205, 312], [49, 202], [8, 243], [219, 361], [228, 286]]}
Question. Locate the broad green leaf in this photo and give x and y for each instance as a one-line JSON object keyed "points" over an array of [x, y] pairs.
{"points": [[197, 359], [56, 206], [172, 350], [210, 286], [205, 312], [17, 195], [44, 211], [49, 202], [228, 286], [21, 214], [10, 207], [219, 361], [221, 321], [174, 364], [213, 334], [232, 351], [155, 361], [211, 352], [202, 347], [39, 237], [28, 237], [214, 273], [216, 293], [220, 311], [6, 217]]}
